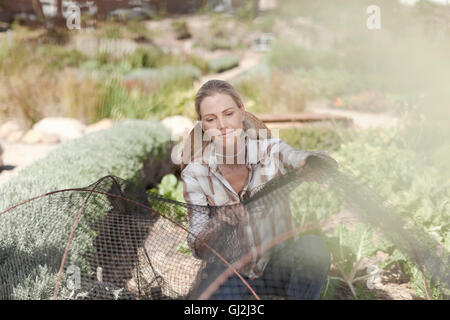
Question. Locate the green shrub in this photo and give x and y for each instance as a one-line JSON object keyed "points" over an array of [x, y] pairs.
{"points": [[169, 98], [171, 188], [276, 93], [310, 203], [112, 32], [33, 238], [181, 30], [328, 83], [288, 55], [175, 75], [417, 191], [145, 58], [261, 69], [313, 138], [57, 57], [223, 63]]}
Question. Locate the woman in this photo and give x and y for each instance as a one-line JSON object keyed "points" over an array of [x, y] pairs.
{"points": [[229, 163]]}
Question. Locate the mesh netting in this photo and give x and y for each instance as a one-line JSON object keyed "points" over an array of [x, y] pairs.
{"points": [[115, 240]]}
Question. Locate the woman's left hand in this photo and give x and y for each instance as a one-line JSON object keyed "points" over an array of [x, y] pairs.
{"points": [[307, 173]]}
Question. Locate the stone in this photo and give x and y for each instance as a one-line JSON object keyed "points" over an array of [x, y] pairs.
{"points": [[11, 131], [100, 125], [32, 136], [179, 126], [1, 157], [50, 139], [64, 128], [15, 136]]}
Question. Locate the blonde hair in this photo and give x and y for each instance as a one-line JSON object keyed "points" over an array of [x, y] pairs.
{"points": [[210, 88]]}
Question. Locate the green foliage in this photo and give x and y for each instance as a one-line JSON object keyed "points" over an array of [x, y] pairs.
{"points": [[286, 55], [312, 138], [145, 58], [58, 57], [38, 286], [421, 285], [112, 31], [33, 234], [222, 34], [170, 188], [247, 11], [391, 171], [181, 30], [272, 92], [175, 75], [223, 63], [377, 159], [261, 69], [138, 28], [329, 83], [348, 250], [155, 93], [310, 203]]}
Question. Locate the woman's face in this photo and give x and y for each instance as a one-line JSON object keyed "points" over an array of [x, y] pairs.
{"points": [[222, 120]]}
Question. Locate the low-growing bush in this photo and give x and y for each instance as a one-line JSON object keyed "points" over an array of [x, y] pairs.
{"points": [[276, 92], [181, 30], [411, 187], [415, 190], [33, 236], [314, 138], [223, 63]]}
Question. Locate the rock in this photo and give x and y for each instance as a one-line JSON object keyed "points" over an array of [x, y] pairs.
{"points": [[64, 128], [51, 139], [14, 137], [1, 157], [35, 136], [11, 131], [32, 136], [179, 126], [100, 125]]}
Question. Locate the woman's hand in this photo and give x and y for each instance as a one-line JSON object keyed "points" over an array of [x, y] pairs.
{"points": [[233, 214], [316, 171]]}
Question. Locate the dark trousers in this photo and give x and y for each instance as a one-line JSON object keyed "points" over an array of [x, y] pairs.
{"points": [[298, 270]]}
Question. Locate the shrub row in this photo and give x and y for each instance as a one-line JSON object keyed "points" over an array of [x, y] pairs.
{"points": [[33, 236]]}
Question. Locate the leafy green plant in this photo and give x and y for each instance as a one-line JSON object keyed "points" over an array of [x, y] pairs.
{"points": [[170, 188], [312, 138], [287, 55], [274, 93], [181, 30], [379, 160], [310, 203], [223, 63], [348, 251], [322, 82]]}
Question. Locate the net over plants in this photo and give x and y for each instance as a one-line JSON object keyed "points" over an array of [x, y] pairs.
{"points": [[115, 240]]}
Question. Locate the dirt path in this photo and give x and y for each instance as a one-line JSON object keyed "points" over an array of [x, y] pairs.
{"points": [[361, 120]]}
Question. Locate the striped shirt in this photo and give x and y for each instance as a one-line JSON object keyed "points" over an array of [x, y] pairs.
{"points": [[205, 185]]}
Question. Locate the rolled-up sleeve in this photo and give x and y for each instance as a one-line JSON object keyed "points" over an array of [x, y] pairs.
{"points": [[292, 157], [198, 213]]}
